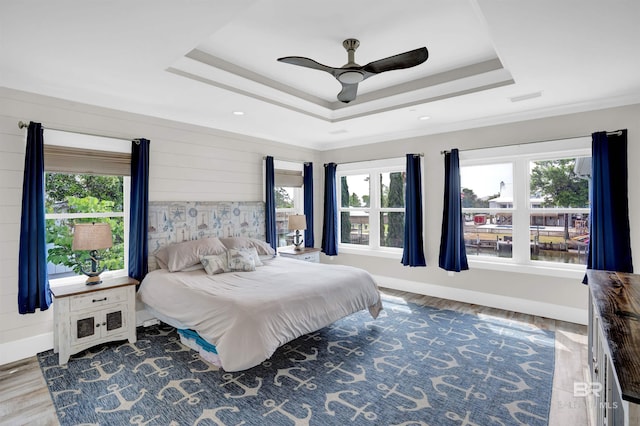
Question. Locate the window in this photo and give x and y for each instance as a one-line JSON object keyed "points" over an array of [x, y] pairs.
{"points": [[72, 195], [527, 205], [371, 205], [289, 198]]}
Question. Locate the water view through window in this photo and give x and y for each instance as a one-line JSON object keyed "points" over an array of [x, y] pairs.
{"points": [[557, 209]]}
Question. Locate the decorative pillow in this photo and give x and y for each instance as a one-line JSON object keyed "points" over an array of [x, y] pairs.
{"points": [[196, 267], [177, 257], [241, 260], [215, 263], [262, 247], [253, 252]]}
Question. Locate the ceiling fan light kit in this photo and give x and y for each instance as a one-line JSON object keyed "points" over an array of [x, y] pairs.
{"points": [[350, 74], [351, 77]]}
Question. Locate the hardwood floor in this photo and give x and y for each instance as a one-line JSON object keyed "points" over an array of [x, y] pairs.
{"points": [[25, 399]]}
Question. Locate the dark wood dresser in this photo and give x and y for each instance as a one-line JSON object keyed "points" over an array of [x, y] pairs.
{"points": [[614, 348]]}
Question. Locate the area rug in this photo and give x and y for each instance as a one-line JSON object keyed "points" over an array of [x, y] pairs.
{"points": [[414, 365]]}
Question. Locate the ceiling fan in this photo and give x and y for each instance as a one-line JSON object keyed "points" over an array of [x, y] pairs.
{"points": [[350, 74]]}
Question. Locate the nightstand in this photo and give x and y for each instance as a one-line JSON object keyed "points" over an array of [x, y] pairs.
{"points": [[308, 254], [85, 316]]}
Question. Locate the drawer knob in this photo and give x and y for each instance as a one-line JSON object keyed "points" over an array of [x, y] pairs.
{"points": [[99, 300]]}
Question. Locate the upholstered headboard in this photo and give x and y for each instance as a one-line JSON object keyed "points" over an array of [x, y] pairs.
{"points": [[176, 221]]}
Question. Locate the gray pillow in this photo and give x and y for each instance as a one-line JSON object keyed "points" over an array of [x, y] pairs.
{"points": [[179, 256], [262, 247]]}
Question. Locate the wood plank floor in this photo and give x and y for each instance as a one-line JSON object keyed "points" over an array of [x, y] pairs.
{"points": [[25, 399]]}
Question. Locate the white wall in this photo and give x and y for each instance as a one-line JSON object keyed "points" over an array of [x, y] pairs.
{"points": [[186, 163], [561, 298]]}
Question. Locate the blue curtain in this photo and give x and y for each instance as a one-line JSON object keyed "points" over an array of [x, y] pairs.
{"points": [[308, 204], [139, 209], [33, 282], [330, 224], [609, 236], [271, 232], [413, 252], [453, 255]]}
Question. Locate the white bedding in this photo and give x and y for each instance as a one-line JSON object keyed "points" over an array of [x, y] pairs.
{"points": [[248, 315]]}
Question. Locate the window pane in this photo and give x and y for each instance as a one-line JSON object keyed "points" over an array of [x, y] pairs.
{"points": [[354, 191], [63, 262], [288, 202], [487, 186], [559, 237], [488, 234], [285, 197], [392, 189], [285, 236], [392, 229], [354, 227], [560, 183], [70, 193]]}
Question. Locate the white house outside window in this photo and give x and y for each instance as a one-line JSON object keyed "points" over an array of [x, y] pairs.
{"points": [[370, 198], [527, 206]]}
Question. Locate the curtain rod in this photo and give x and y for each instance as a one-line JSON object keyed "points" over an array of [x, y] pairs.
{"points": [[420, 154], [22, 125], [264, 157], [615, 132]]}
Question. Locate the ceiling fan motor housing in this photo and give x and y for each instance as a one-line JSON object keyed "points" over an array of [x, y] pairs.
{"points": [[350, 74]]}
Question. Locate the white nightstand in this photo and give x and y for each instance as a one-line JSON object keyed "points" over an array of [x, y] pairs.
{"points": [[308, 254], [85, 316]]}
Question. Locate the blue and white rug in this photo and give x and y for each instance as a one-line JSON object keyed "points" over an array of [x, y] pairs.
{"points": [[414, 365]]}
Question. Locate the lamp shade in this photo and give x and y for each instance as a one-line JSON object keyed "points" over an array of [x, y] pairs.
{"points": [[91, 236], [298, 221]]}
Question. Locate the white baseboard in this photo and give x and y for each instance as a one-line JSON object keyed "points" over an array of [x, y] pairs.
{"points": [[547, 310], [25, 348]]}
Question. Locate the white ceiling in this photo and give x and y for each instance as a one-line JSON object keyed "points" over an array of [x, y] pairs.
{"points": [[198, 61]]}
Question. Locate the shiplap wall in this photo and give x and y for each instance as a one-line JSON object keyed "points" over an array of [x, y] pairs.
{"points": [[187, 162]]}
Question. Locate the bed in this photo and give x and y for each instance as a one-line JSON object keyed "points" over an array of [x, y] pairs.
{"points": [[251, 302]]}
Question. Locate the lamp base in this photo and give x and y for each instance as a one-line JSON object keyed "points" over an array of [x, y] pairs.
{"points": [[93, 280], [298, 242]]}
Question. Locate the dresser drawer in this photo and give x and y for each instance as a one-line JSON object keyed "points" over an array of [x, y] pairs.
{"points": [[97, 299], [310, 257]]}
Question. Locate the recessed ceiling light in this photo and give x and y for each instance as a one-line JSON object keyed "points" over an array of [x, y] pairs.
{"points": [[525, 97], [238, 112], [424, 117], [338, 132]]}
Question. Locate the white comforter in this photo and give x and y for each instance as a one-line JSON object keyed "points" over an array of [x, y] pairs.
{"points": [[248, 315]]}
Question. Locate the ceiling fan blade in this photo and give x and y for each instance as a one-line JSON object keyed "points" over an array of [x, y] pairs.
{"points": [[308, 63], [403, 60], [348, 92]]}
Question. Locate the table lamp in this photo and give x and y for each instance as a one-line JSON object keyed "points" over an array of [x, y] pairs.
{"points": [[299, 223], [92, 237]]}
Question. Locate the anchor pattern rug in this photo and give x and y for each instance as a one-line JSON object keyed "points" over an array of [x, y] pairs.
{"points": [[414, 365]]}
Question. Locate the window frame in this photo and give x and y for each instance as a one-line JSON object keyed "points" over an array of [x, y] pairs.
{"points": [[520, 157], [89, 142], [374, 169], [298, 192]]}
